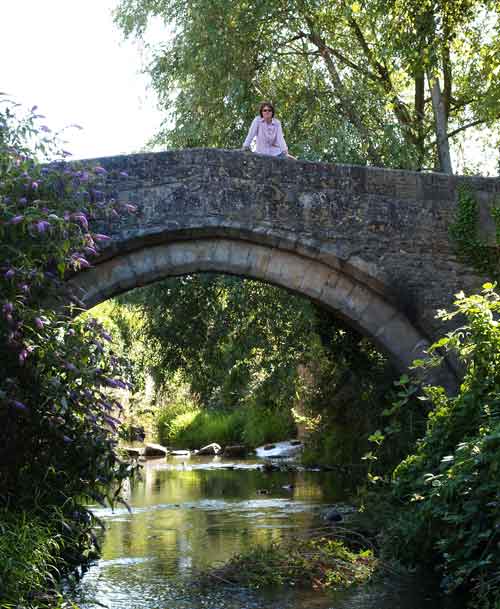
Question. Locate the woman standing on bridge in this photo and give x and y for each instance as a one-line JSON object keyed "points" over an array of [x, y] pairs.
{"points": [[267, 132]]}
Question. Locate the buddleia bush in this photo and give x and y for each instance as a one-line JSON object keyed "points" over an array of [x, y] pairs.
{"points": [[450, 486], [58, 417]]}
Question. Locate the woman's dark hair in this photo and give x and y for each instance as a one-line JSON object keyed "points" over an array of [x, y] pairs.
{"points": [[266, 105]]}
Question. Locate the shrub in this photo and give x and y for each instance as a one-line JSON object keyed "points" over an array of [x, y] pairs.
{"points": [[450, 487], [319, 563], [58, 419]]}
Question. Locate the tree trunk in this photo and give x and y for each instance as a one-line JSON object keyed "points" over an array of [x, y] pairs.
{"points": [[419, 116], [441, 125]]}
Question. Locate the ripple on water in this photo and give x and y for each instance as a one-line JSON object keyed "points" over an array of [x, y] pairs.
{"points": [[185, 519]]}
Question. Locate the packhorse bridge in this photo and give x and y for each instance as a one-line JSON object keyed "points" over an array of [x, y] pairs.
{"points": [[370, 244]]}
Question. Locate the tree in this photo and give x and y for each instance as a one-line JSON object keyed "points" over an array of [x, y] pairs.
{"points": [[350, 78], [230, 338]]}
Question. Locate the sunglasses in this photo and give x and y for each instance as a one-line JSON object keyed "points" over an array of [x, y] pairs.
{"points": [[266, 110]]}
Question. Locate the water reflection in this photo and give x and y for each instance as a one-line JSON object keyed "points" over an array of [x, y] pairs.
{"points": [[186, 517]]}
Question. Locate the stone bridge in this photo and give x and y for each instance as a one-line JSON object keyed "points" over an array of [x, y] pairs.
{"points": [[369, 244]]}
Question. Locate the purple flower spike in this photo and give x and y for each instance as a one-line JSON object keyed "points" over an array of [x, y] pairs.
{"points": [[129, 207], [16, 219], [45, 129], [81, 218], [124, 174], [99, 237], [42, 226], [81, 261], [69, 366], [23, 354], [23, 200], [34, 185], [19, 406], [106, 336], [9, 274], [8, 307], [67, 440], [100, 170], [39, 323], [90, 250]]}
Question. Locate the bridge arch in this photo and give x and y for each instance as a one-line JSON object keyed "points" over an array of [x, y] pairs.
{"points": [[370, 244], [352, 295]]}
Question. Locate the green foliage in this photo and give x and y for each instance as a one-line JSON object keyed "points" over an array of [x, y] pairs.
{"points": [[186, 425], [263, 424], [450, 485], [58, 416], [241, 345], [348, 79], [318, 563], [31, 550], [470, 247], [352, 388], [232, 340]]}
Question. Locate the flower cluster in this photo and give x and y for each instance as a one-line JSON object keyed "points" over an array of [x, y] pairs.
{"points": [[58, 413]]}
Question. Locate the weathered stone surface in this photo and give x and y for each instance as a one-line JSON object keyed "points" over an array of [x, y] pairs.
{"points": [[370, 244]]}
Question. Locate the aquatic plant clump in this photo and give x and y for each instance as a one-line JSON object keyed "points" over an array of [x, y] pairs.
{"points": [[319, 563]]}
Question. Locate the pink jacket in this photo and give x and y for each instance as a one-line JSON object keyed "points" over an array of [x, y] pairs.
{"points": [[269, 137]]}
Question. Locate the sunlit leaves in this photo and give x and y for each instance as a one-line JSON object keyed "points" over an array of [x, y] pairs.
{"points": [[347, 78], [451, 482]]}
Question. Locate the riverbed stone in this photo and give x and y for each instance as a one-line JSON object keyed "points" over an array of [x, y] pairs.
{"points": [[155, 450], [237, 451], [210, 449]]}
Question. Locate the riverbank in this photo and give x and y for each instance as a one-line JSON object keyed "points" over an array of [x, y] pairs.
{"points": [[34, 554]]}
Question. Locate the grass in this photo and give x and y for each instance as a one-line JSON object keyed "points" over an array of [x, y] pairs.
{"points": [[30, 558], [181, 425]]}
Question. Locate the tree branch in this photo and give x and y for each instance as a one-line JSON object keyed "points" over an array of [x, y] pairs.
{"points": [[479, 121], [348, 108], [401, 111]]}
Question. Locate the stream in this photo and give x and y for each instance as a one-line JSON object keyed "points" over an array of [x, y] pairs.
{"points": [[188, 515]]}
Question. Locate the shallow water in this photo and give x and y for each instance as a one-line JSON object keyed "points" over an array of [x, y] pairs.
{"points": [[187, 515]]}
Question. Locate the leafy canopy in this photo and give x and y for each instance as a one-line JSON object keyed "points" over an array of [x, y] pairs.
{"points": [[351, 80]]}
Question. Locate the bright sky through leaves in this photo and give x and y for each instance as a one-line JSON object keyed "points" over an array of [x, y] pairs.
{"points": [[68, 58]]}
